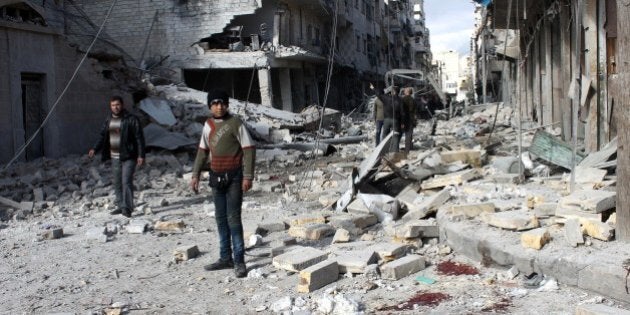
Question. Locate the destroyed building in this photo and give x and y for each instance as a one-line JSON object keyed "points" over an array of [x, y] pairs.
{"points": [[38, 61], [269, 52]]}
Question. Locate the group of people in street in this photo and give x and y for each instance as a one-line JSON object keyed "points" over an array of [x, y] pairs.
{"points": [[226, 150], [396, 114]]}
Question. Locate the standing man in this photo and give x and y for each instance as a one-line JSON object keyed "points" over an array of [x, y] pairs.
{"points": [[121, 140], [409, 117], [378, 115], [392, 111], [229, 150]]}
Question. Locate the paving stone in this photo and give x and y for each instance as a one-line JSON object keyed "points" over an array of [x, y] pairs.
{"points": [[137, 226], [97, 234], [279, 250], [511, 220], [169, 226], [599, 230], [402, 267], [536, 238], [341, 236], [311, 231], [318, 276], [307, 219], [299, 259], [573, 232], [472, 210], [272, 226], [52, 234], [418, 228], [594, 201], [389, 251], [187, 252], [356, 261]]}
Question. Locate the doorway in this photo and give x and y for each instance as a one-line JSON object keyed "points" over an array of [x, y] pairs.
{"points": [[32, 113]]}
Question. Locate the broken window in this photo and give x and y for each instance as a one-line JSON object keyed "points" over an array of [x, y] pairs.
{"points": [[21, 13]]}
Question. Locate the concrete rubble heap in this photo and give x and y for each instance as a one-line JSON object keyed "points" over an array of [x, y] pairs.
{"points": [[333, 233]]}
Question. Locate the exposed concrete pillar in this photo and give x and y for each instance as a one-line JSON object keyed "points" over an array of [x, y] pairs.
{"points": [[285, 89], [264, 80]]}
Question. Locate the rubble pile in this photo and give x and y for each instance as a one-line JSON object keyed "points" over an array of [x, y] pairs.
{"points": [[338, 231]]}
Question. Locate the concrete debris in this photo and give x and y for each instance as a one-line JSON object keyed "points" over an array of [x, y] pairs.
{"points": [[536, 238], [402, 267], [254, 240], [299, 259], [159, 137], [52, 233], [597, 229], [573, 232], [137, 226], [592, 201], [318, 276], [341, 236], [511, 220], [159, 110], [187, 252], [599, 309], [355, 261]]}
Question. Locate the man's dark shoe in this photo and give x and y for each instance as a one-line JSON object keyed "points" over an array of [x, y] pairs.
{"points": [[219, 264], [117, 211], [126, 212], [240, 270]]}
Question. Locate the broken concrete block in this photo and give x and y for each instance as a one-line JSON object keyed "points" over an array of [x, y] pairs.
{"points": [[472, 210], [593, 201], [271, 227], [307, 219], [452, 179], [599, 230], [389, 251], [97, 234], [402, 267], [311, 231], [356, 261], [353, 221], [318, 276], [341, 236], [169, 226], [419, 209], [254, 240], [535, 239], [545, 209], [511, 220], [472, 157], [357, 207], [418, 228], [38, 194], [279, 250], [10, 203], [571, 212], [573, 232], [137, 226], [183, 253], [52, 234], [589, 175], [328, 199], [299, 259], [533, 201], [289, 241]]}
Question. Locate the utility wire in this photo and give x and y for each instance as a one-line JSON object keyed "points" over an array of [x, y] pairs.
{"points": [[52, 109]]}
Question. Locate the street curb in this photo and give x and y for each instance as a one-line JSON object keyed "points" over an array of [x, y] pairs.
{"points": [[594, 269]]}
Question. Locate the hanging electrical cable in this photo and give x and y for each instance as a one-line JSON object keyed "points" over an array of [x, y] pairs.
{"points": [[63, 92]]}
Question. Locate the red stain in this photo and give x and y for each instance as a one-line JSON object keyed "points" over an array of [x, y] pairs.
{"points": [[498, 307], [422, 299], [450, 268]]}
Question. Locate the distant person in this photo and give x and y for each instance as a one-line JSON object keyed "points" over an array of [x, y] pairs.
{"points": [[378, 115], [392, 112], [408, 117], [228, 149], [121, 140]]}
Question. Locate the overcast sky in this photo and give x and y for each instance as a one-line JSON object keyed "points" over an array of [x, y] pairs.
{"points": [[450, 23]]}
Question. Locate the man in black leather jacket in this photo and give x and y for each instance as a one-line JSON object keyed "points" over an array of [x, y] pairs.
{"points": [[121, 140]]}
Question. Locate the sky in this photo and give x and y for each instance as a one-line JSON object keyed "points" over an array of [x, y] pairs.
{"points": [[450, 23]]}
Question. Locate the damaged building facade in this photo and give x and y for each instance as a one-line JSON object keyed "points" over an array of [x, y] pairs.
{"points": [[563, 65], [269, 52], [38, 61]]}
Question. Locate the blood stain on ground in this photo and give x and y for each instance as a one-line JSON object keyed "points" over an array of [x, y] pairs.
{"points": [[450, 268], [498, 307], [420, 299]]}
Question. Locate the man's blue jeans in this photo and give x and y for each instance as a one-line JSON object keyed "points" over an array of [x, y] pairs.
{"points": [[227, 204], [123, 182]]}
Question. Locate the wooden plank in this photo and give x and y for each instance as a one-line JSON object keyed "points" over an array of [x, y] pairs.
{"points": [[601, 156], [553, 150], [622, 108]]}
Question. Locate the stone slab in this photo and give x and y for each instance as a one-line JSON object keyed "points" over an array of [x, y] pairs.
{"points": [[307, 219], [318, 276], [389, 251], [472, 210], [422, 208], [402, 267], [355, 261], [600, 309], [573, 232], [315, 231], [452, 179], [536, 238], [593, 201], [299, 259], [518, 220]]}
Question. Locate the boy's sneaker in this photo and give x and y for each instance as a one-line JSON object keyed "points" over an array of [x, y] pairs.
{"points": [[219, 264], [240, 270]]}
